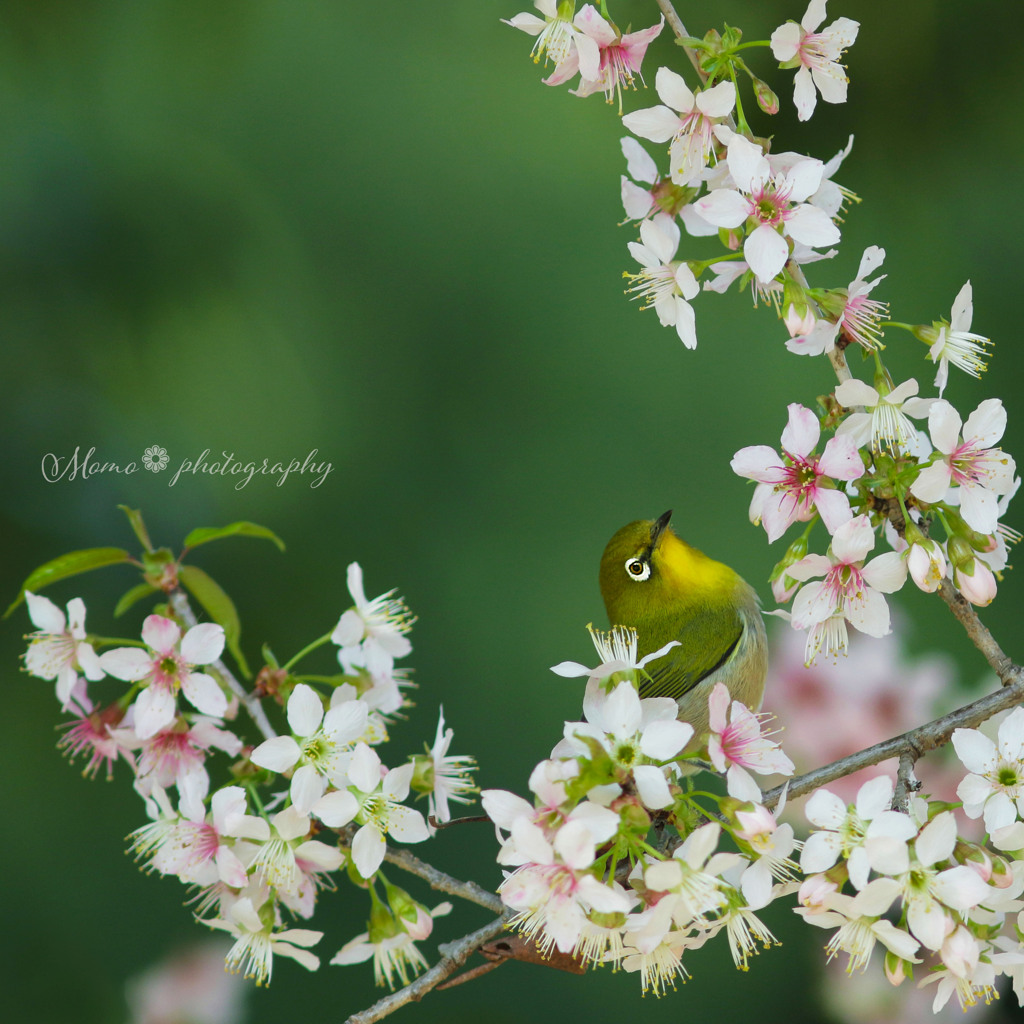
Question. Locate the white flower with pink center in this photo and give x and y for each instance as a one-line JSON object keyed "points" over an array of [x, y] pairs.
{"points": [[688, 119], [554, 891], [176, 757], [196, 848], [620, 56], [774, 203], [736, 738], [858, 320], [885, 424], [665, 283], [816, 55], [793, 486], [851, 590], [954, 343], [981, 471], [167, 667], [94, 735], [59, 649], [770, 845]]}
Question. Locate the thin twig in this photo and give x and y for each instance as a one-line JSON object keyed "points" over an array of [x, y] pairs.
{"points": [[916, 742], [675, 23], [455, 955], [251, 703], [437, 879], [978, 634]]}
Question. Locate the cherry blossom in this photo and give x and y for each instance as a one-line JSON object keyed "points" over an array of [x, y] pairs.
{"points": [[633, 732], [554, 891], [867, 835], [665, 283], [58, 649], [981, 471], [620, 56], [379, 625], [167, 668], [319, 745], [995, 786], [857, 319], [374, 799], [954, 343], [558, 39], [885, 424], [851, 590], [775, 203], [687, 119], [816, 55], [256, 942], [792, 487], [736, 738]]}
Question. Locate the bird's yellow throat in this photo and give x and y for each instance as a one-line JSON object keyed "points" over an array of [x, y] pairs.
{"points": [[686, 569]]}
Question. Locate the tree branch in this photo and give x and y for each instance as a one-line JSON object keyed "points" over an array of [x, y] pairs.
{"points": [[437, 879], [915, 743], [455, 954]]}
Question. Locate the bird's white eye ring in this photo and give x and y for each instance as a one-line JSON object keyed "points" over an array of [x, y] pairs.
{"points": [[637, 569]]}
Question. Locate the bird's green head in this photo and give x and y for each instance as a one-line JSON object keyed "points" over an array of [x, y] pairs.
{"points": [[647, 571]]}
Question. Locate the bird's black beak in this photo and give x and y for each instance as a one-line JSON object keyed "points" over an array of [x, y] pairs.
{"points": [[658, 527]]}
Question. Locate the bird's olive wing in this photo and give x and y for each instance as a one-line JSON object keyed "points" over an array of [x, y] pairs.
{"points": [[707, 639]]}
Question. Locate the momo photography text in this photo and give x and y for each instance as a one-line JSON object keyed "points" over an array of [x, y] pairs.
{"points": [[81, 465]]}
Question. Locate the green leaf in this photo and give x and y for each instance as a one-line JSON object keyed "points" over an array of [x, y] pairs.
{"points": [[137, 593], [218, 606], [70, 564], [135, 519], [203, 534]]}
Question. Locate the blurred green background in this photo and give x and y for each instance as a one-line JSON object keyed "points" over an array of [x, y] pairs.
{"points": [[265, 228]]}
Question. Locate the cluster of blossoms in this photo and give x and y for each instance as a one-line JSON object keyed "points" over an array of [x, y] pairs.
{"points": [[906, 880], [587, 880], [879, 465], [775, 213], [616, 860], [250, 849]]}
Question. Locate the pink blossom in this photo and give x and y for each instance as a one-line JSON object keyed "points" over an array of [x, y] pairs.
{"points": [[687, 119], [816, 54], [850, 591], [983, 472], [776, 203], [620, 56], [790, 487], [736, 737], [167, 668]]}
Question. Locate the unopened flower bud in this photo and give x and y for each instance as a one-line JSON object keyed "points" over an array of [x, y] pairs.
{"points": [[896, 969], [783, 586], [926, 563], [766, 99], [976, 582]]}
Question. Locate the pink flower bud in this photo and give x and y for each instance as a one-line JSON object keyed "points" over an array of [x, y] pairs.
{"points": [[979, 588]]}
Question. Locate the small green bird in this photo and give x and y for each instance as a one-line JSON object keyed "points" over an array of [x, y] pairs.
{"points": [[666, 590]]}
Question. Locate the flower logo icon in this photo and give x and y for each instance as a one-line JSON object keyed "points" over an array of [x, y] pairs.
{"points": [[155, 458]]}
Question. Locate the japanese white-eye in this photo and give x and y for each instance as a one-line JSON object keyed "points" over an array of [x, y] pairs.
{"points": [[666, 590]]}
